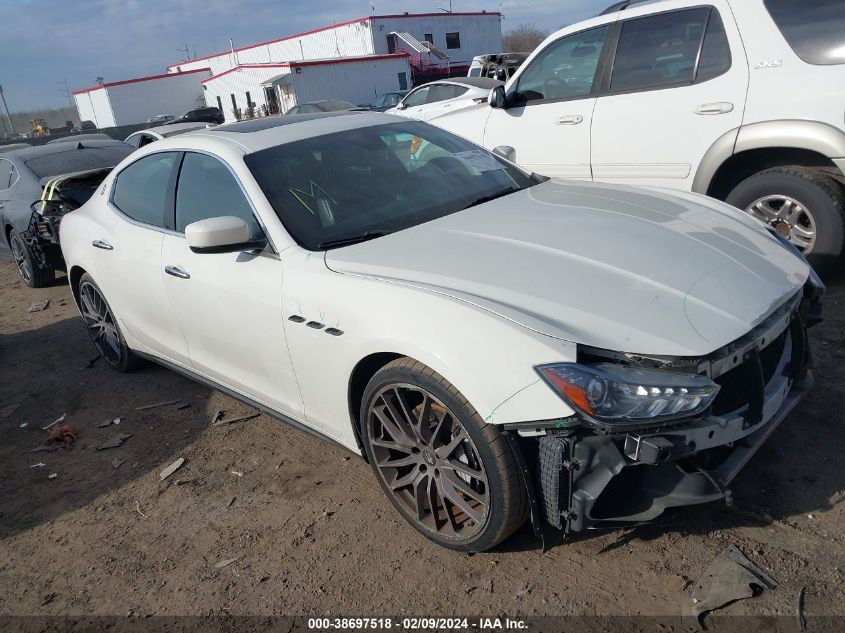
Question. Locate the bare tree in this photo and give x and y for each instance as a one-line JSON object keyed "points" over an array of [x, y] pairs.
{"points": [[522, 39]]}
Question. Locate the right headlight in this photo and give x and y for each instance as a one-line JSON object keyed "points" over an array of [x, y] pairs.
{"points": [[615, 394]]}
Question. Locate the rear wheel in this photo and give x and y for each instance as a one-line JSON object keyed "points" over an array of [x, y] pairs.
{"points": [[102, 326], [804, 206], [31, 272], [450, 475]]}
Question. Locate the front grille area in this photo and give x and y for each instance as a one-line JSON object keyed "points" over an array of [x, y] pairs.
{"points": [[738, 384]]}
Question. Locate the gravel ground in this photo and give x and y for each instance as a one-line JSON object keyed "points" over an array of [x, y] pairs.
{"points": [[262, 519]]}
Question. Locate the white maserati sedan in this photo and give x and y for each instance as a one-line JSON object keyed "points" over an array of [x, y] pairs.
{"points": [[498, 346]]}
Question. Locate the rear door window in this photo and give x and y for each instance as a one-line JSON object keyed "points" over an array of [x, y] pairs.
{"points": [[658, 51], [140, 190], [815, 30]]}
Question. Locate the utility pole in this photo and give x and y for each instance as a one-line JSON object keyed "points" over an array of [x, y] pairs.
{"points": [[66, 90], [6, 108]]}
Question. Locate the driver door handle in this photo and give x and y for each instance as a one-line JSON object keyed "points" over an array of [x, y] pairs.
{"points": [[176, 271], [572, 119], [102, 244]]}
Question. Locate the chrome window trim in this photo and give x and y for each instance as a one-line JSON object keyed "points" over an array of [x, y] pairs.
{"points": [[15, 170]]}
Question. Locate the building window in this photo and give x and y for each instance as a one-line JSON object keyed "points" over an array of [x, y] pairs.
{"points": [[219, 103], [428, 37], [391, 43], [453, 40], [403, 81], [248, 100]]}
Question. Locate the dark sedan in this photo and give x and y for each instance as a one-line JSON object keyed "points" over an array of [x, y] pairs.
{"points": [[38, 185]]}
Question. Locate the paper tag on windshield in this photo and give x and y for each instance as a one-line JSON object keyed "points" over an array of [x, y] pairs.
{"points": [[480, 159]]}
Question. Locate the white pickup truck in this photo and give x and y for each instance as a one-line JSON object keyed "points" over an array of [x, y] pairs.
{"points": [[742, 100]]}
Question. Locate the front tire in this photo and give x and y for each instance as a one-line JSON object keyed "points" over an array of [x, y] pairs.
{"points": [[102, 326], [450, 475], [31, 272], [808, 207]]}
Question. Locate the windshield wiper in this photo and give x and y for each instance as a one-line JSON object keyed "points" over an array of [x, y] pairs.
{"points": [[352, 239], [490, 197]]}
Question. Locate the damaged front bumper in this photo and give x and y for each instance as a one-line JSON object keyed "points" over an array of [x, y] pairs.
{"points": [[589, 478]]}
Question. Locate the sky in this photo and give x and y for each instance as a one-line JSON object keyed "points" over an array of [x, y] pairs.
{"points": [[45, 42]]}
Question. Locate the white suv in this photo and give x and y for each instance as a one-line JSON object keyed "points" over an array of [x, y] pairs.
{"points": [[742, 100]]}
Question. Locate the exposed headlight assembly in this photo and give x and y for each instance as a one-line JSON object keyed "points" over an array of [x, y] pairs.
{"points": [[618, 395]]}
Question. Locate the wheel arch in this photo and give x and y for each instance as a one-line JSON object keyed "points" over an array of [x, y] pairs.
{"points": [[361, 374], [74, 275], [744, 151]]}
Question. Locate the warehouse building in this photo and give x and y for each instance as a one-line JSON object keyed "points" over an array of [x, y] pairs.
{"points": [[136, 100], [261, 89], [354, 61]]}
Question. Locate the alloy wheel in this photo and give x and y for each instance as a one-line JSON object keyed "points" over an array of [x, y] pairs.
{"points": [[790, 219], [428, 462], [19, 255], [100, 323]]}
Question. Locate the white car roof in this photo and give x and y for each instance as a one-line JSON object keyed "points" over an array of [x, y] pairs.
{"points": [[259, 134]]}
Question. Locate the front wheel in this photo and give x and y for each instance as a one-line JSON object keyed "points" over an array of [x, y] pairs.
{"points": [[804, 206], [102, 326], [32, 273], [450, 475]]}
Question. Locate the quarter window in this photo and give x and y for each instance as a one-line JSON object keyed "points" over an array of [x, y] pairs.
{"points": [[658, 50], [140, 190], [815, 30], [8, 174], [207, 189], [715, 58], [565, 69]]}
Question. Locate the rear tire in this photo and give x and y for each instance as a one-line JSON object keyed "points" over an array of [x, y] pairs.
{"points": [[32, 274], [460, 484], [103, 327], [820, 202]]}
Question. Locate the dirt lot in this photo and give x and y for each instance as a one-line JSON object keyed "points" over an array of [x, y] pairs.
{"points": [[308, 526]]}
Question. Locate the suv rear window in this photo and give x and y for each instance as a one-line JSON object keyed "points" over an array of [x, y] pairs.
{"points": [[815, 30]]}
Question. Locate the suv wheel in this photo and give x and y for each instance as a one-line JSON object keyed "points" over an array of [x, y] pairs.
{"points": [[102, 326], [450, 475], [804, 206], [32, 274]]}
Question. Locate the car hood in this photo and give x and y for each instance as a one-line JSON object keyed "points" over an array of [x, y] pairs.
{"points": [[620, 268]]}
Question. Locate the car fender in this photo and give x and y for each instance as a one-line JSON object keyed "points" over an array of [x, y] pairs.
{"points": [[815, 136], [340, 319]]}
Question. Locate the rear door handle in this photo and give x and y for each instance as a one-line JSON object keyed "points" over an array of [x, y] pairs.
{"points": [[102, 244], [572, 119], [722, 107], [176, 272]]}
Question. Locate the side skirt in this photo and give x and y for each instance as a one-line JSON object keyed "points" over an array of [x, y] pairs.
{"points": [[281, 417]]}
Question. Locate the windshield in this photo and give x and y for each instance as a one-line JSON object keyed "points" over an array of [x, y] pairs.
{"points": [[370, 181], [73, 160]]}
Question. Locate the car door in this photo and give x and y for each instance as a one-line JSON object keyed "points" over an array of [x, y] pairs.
{"points": [[8, 177], [549, 107], [126, 245], [673, 91], [229, 305]]}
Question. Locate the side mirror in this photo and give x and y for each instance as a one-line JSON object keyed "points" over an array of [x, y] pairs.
{"points": [[505, 151], [401, 105], [496, 99], [224, 234], [502, 74]]}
